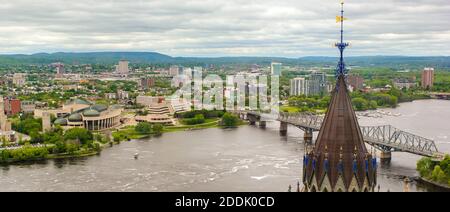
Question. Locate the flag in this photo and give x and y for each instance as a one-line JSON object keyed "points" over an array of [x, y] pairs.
{"points": [[339, 19]]}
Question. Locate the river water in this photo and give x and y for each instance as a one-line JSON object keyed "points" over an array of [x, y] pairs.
{"points": [[240, 160]]}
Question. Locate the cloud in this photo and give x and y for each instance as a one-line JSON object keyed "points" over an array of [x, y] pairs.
{"points": [[290, 28]]}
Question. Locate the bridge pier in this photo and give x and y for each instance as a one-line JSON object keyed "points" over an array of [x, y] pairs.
{"points": [[252, 120], [283, 128], [308, 137], [386, 156], [262, 124]]}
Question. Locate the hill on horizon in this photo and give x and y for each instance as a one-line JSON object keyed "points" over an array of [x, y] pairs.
{"points": [[111, 58]]}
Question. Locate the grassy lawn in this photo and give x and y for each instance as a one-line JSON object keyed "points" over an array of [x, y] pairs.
{"points": [[289, 109], [128, 132], [210, 123]]}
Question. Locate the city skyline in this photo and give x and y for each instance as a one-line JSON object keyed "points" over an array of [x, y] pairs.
{"points": [[232, 28]]}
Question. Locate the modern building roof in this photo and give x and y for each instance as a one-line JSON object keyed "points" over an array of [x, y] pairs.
{"points": [[79, 102], [91, 113], [76, 117], [61, 121], [99, 108]]}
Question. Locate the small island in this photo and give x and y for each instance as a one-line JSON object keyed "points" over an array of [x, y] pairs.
{"points": [[435, 172]]}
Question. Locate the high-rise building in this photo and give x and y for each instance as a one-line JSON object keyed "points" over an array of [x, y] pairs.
{"points": [[339, 160], [60, 69], [275, 69], [19, 79], [147, 83], [318, 84], [175, 71], [428, 78], [299, 86], [123, 68], [355, 81]]}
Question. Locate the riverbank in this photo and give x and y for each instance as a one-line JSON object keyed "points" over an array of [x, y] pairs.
{"points": [[36, 154], [438, 186]]}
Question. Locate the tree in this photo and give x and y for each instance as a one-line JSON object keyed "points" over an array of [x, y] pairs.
{"points": [[424, 167], [158, 129], [83, 135], [144, 128], [360, 104], [28, 125], [373, 105], [438, 175], [230, 120]]}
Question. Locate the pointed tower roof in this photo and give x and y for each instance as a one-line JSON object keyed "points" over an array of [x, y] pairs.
{"points": [[340, 140], [340, 153]]}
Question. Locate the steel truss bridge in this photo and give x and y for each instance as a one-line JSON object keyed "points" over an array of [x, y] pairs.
{"points": [[385, 138]]}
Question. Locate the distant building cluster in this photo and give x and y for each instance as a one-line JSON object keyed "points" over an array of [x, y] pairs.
{"points": [[405, 83], [317, 84], [19, 79]]}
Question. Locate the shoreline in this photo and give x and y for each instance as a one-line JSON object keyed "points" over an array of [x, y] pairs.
{"points": [[434, 184], [50, 157], [173, 129]]}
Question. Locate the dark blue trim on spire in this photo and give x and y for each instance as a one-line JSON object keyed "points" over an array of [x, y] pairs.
{"points": [[341, 69], [314, 164], [374, 163], [340, 167]]}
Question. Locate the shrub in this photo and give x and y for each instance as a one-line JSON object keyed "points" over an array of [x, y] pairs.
{"points": [[144, 128], [230, 120], [198, 119]]}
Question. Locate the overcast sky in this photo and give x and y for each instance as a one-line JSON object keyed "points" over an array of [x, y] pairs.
{"points": [[288, 28]]}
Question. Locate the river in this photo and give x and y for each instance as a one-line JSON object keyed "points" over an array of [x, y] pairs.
{"points": [[238, 160]]}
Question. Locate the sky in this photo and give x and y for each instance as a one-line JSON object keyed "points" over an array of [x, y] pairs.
{"points": [[213, 28]]}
